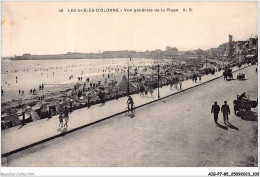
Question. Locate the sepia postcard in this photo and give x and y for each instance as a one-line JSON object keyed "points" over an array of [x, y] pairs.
{"points": [[129, 84]]}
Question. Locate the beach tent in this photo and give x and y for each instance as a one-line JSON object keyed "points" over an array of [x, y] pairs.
{"points": [[34, 116], [37, 106], [27, 117], [44, 113], [123, 84], [10, 120]]}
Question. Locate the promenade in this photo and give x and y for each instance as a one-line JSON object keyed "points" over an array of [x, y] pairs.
{"points": [[18, 138]]}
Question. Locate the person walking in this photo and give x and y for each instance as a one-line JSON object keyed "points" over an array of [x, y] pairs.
{"points": [[226, 111], [66, 116], [215, 110], [61, 120], [130, 103], [151, 91]]}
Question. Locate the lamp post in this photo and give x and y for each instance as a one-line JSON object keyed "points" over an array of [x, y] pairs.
{"points": [[158, 81], [128, 89]]}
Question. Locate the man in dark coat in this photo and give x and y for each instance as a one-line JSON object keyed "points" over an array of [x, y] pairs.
{"points": [[215, 109], [226, 111]]}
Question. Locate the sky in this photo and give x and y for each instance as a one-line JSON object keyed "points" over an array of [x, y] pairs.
{"points": [[39, 27]]}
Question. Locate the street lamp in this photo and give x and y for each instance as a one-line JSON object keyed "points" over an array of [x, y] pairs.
{"points": [[158, 81], [128, 89]]}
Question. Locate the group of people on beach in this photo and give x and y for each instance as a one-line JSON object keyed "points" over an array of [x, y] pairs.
{"points": [[41, 86], [21, 92], [32, 91]]}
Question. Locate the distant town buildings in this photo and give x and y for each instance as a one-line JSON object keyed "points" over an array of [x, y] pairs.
{"points": [[231, 50]]}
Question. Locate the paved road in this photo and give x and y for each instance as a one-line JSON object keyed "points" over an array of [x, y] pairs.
{"points": [[178, 131]]}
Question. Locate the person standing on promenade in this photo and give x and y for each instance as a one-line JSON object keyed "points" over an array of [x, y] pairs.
{"points": [[23, 122], [215, 109], [61, 120], [71, 101], [49, 112], [146, 91], [226, 111], [171, 84], [66, 116], [180, 82]]}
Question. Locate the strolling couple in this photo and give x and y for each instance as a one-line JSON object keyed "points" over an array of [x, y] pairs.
{"points": [[64, 116], [224, 109]]}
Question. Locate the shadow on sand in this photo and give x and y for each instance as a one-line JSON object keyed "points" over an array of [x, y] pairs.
{"points": [[230, 79], [248, 115], [232, 126], [222, 126], [162, 100]]}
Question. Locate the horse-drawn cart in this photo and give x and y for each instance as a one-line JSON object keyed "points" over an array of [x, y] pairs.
{"points": [[228, 74], [241, 76]]}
